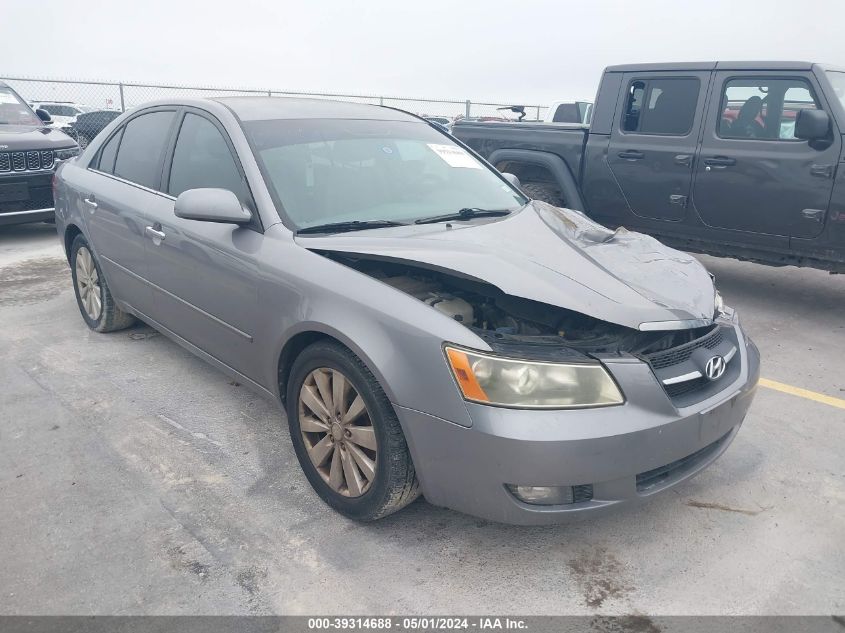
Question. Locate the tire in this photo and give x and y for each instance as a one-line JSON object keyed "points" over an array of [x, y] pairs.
{"points": [[545, 192], [109, 317], [394, 484]]}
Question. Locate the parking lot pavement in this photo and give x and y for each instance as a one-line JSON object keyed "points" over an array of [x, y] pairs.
{"points": [[136, 479]]}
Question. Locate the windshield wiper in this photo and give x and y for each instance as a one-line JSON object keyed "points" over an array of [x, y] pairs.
{"points": [[466, 213], [353, 225]]}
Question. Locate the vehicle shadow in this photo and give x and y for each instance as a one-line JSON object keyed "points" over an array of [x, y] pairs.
{"points": [[16, 232]]}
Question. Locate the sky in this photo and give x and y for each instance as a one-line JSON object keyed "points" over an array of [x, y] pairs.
{"points": [[522, 51]]}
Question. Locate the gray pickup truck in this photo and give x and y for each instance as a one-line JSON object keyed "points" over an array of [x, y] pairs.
{"points": [[737, 159]]}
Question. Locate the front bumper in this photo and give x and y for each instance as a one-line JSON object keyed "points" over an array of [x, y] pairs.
{"points": [[26, 197], [627, 453]]}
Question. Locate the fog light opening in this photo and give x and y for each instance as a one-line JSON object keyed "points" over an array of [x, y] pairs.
{"points": [[551, 495]]}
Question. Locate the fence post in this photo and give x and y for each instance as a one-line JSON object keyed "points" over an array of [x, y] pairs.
{"points": [[122, 104], [538, 113], [269, 93], [381, 101], [469, 107]]}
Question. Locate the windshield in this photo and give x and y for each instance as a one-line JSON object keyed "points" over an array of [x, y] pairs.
{"points": [[337, 170], [13, 111], [837, 80]]}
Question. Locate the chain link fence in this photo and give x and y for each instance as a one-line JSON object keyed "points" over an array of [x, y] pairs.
{"points": [[63, 96]]}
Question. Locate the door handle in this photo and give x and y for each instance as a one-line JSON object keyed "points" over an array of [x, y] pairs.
{"points": [[685, 160], [631, 154], [155, 234], [92, 204], [720, 162], [816, 215]]}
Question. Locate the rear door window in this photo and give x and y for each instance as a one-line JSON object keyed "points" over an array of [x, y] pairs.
{"points": [[141, 149], [661, 106]]}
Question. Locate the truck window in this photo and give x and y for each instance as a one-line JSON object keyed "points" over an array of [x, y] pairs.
{"points": [[763, 107], [664, 106]]}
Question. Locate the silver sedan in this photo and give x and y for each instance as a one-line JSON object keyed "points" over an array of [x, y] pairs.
{"points": [[426, 327]]}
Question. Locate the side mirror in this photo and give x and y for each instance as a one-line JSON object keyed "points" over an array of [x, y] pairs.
{"points": [[812, 125], [44, 115], [211, 205], [512, 179]]}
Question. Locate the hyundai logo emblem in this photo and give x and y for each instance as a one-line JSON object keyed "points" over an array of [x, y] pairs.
{"points": [[715, 367]]}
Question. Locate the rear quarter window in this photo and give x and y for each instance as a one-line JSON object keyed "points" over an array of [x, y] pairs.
{"points": [[109, 152]]}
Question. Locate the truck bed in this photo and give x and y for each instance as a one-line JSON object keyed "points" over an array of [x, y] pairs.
{"points": [[566, 140]]}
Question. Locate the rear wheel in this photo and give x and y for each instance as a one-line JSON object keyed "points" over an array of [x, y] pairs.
{"points": [[346, 435], [98, 309]]}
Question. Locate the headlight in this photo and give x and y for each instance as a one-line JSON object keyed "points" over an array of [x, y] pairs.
{"points": [[507, 382], [69, 152], [719, 303], [723, 311]]}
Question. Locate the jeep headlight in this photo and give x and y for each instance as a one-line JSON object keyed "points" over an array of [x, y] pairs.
{"points": [[68, 152], [507, 382]]}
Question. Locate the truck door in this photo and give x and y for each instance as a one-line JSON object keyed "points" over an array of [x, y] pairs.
{"points": [[752, 173], [653, 141]]}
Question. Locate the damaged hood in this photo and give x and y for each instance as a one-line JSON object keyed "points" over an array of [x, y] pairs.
{"points": [[555, 256]]}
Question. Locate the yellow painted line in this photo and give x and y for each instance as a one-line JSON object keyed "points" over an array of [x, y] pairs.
{"points": [[803, 393]]}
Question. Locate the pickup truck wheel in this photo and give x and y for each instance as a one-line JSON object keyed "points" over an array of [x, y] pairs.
{"points": [[98, 309], [545, 192], [346, 435]]}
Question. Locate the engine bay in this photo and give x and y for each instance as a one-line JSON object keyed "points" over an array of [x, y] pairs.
{"points": [[505, 321]]}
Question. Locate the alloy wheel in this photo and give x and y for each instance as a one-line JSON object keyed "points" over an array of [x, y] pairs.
{"points": [[338, 432], [88, 284]]}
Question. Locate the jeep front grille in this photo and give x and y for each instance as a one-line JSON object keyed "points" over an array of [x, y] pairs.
{"points": [[32, 160]]}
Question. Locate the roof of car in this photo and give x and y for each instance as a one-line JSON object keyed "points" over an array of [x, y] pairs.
{"points": [[735, 65], [269, 108]]}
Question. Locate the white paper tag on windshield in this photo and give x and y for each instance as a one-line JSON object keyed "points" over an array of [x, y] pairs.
{"points": [[455, 156]]}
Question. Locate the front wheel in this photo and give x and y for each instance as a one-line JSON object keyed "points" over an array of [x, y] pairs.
{"points": [[346, 435], [95, 301]]}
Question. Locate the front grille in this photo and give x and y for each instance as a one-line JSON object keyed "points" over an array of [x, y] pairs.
{"points": [[677, 355], [680, 360], [33, 160], [688, 386], [671, 472]]}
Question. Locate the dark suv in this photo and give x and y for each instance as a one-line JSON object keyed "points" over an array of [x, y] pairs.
{"points": [[29, 153]]}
